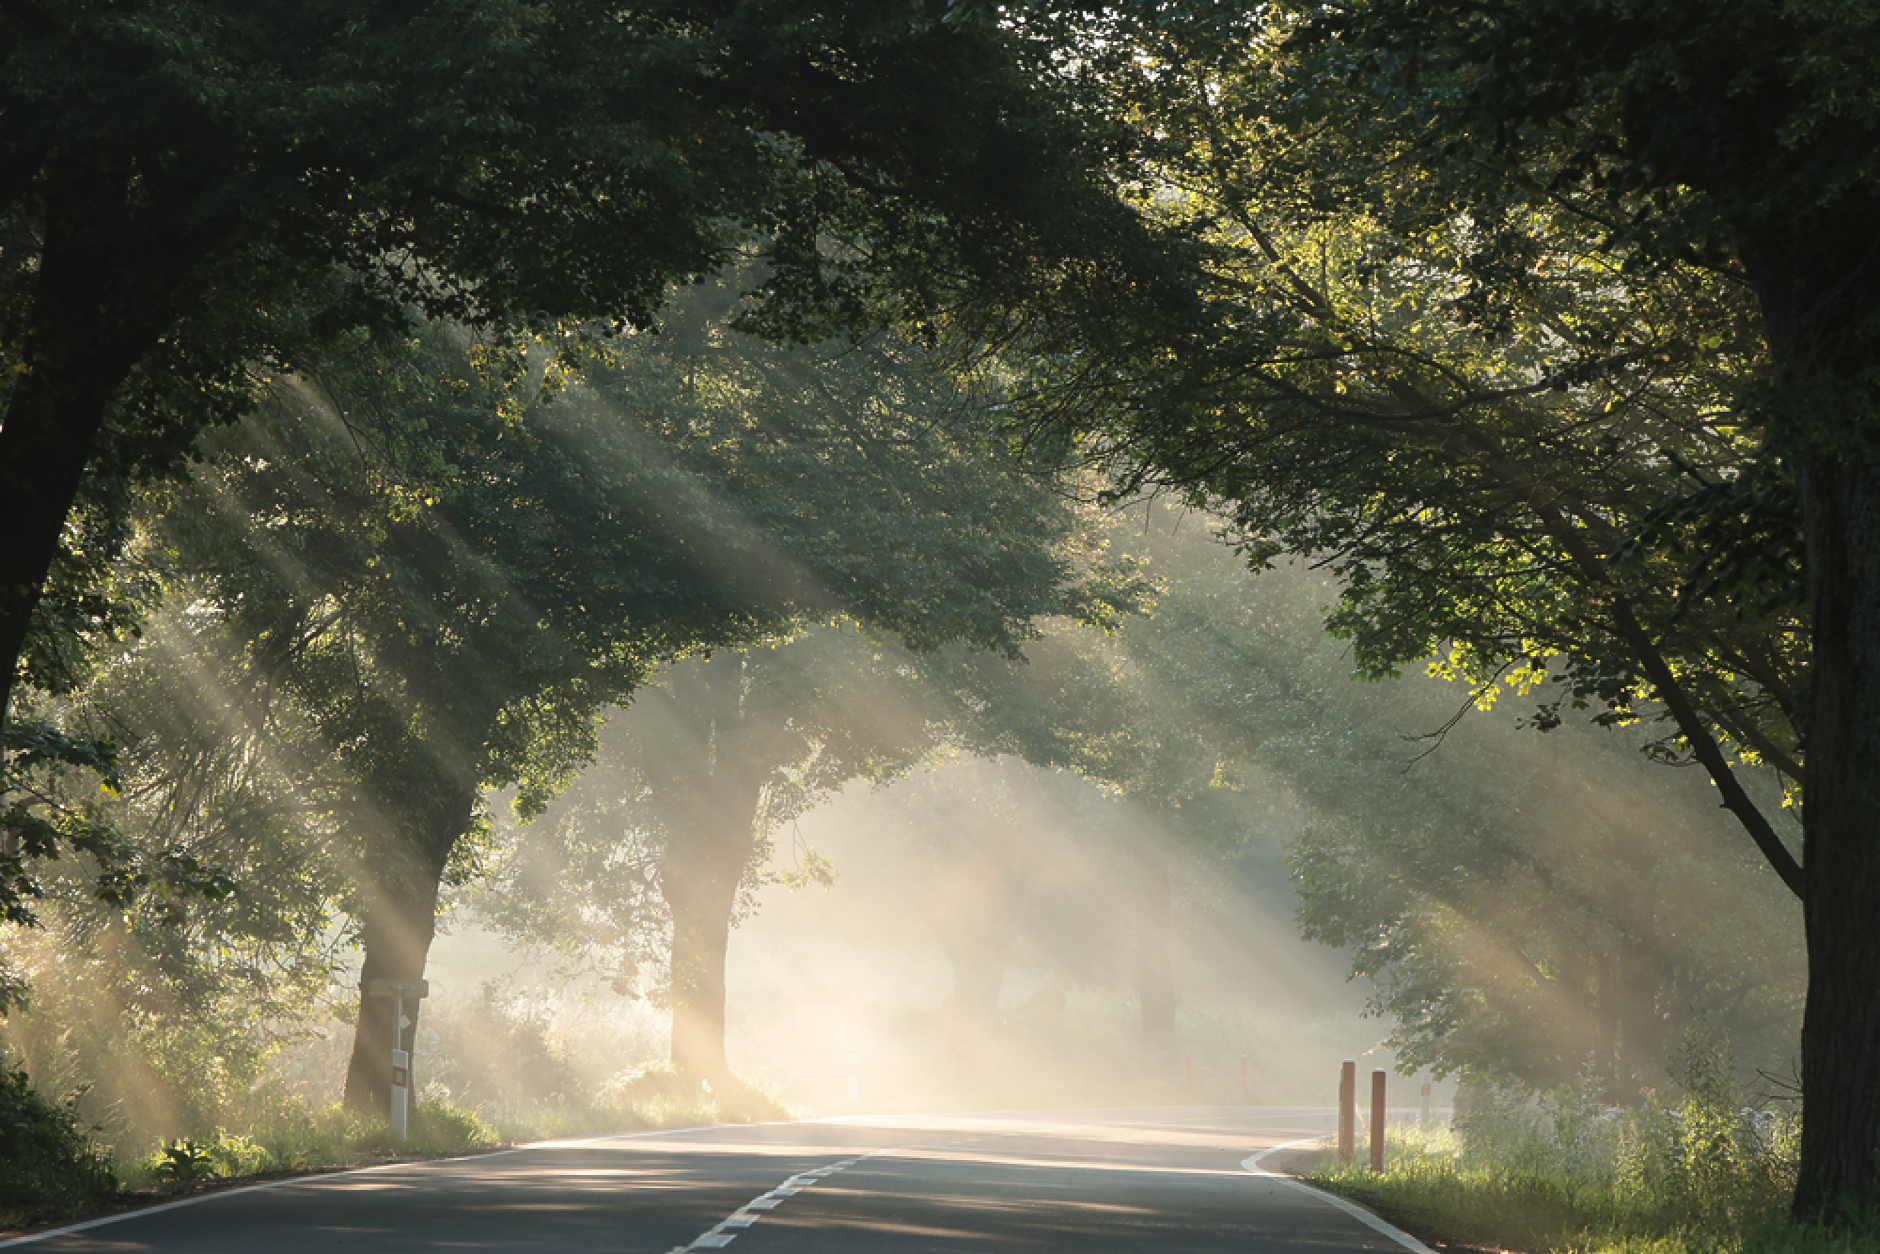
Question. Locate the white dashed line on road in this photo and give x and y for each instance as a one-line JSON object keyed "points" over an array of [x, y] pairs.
{"points": [[723, 1233]]}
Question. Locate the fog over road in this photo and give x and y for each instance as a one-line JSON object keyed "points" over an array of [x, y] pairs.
{"points": [[1164, 1179]]}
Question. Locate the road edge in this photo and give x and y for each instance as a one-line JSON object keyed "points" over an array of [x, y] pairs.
{"points": [[1357, 1212], [317, 1174]]}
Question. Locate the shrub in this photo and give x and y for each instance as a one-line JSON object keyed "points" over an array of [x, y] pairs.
{"points": [[656, 1096], [1704, 1171], [440, 1127], [52, 1168], [183, 1161]]}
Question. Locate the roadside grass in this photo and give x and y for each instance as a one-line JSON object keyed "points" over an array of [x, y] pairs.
{"points": [[295, 1137], [1699, 1173], [54, 1171]]}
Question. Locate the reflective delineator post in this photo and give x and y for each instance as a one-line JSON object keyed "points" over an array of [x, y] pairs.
{"points": [[1246, 1078], [1377, 1120], [1191, 1071], [1425, 1122], [398, 991], [401, 1068], [1347, 1110]]}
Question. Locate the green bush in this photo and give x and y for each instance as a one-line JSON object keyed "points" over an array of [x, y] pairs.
{"points": [[183, 1161], [52, 1168], [440, 1128], [1701, 1173], [656, 1096]]}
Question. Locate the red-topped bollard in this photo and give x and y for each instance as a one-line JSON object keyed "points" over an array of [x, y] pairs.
{"points": [[1377, 1120]]}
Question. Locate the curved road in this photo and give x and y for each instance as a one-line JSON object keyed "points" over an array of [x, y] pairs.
{"points": [[1183, 1178]]}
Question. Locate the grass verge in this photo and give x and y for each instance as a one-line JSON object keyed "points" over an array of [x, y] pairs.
{"points": [[53, 1172]]}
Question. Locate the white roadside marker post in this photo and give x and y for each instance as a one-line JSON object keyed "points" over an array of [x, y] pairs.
{"points": [[399, 1114], [401, 1068]]}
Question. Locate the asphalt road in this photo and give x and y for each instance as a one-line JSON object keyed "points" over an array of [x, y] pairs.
{"points": [[1164, 1179]]}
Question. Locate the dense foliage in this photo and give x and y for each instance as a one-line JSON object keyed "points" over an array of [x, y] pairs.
{"points": [[367, 431], [52, 1169]]}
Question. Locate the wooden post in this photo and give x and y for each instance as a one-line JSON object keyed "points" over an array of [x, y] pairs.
{"points": [[1347, 1110], [1377, 1121]]}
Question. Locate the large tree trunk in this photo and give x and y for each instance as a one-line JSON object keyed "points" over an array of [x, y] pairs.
{"points": [[1841, 845], [699, 877], [396, 929], [707, 779], [85, 334], [1815, 274], [1155, 967]]}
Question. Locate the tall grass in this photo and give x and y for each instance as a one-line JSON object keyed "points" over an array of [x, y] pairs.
{"points": [[1698, 1171]]}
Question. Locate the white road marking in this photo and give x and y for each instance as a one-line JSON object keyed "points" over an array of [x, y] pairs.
{"points": [[742, 1218], [722, 1233], [1356, 1211], [141, 1211]]}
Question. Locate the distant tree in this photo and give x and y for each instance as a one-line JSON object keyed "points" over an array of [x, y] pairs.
{"points": [[1514, 919], [443, 592], [453, 588], [867, 468], [1120, 708]]}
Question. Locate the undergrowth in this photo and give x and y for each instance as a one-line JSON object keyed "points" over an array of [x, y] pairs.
{"points": [[54, 1170], [1700, 1172], [51, 1166]]}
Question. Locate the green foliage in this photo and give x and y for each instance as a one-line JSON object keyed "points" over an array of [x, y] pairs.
{"points": [[1699, 1172], [294, 1136], [442, 1128], [52, 1169], [492, 1051], [184, 1161], [659, 1097], [1464, 396], [663, 142]]}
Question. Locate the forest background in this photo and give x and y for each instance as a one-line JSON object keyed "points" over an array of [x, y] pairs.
{"points": [[758, 432]]}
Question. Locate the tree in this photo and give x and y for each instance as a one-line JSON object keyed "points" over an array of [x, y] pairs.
{"points": [[742, 744], [1743, 139], [189, 193], [863, 467], [447, 591], [167, 1007], [1466, 408], [1736, 144], [519, 569], [1589, 297], [1120, 708], [1540, 912]]}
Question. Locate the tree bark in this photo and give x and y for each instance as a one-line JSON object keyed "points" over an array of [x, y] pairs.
{"points": [[707, 782], [86, 333], [396, 929], [1841, 842], [699, 878], [1815, 274], [1155, 968]]}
